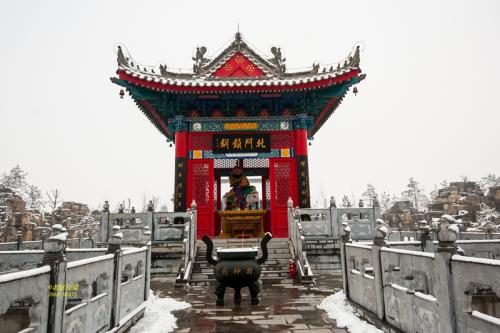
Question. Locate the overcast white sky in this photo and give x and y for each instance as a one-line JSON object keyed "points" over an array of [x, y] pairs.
{"points": [[429, 107]]}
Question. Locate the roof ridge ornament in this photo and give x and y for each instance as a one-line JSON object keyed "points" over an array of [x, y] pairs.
{"points": [[315, 68], [278, 59], [354, 60], [238, 41], [163, 70], [199, 59], [121, 59]]}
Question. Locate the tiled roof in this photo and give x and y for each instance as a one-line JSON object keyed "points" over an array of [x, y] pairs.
{"points": [[274, 71]]}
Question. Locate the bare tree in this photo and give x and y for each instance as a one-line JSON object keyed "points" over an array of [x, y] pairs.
{"points": [[387, 200], [490, 180], [53, 198], [369, 194], [415, 193]]}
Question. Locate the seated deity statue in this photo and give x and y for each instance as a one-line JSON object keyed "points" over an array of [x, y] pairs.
{"points": [[242, 195]]}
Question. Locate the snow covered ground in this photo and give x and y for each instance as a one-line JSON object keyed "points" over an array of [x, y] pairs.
{"points": [[158, 317], [343, 313]]}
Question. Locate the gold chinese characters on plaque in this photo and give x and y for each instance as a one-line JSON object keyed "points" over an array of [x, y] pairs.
{"points": [[241, 143]]}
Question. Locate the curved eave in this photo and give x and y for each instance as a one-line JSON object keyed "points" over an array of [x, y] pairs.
{"points": [[240, 86], [148, 110], [330, 98], [331, 105]]}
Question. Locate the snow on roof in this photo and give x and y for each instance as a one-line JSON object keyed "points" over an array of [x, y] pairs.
{"points": [[237, 82], [274, 69]]}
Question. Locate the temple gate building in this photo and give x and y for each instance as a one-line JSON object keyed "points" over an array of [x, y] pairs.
{"points": [[239, 109]]}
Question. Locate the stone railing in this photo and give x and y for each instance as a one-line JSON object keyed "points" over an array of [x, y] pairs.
{"points": [[165, 230], [77, 290], [188, 246], [297, 245], [320, 223], [488, 249], [13, 261], [159, 227], [25, 295], [417, 291], [38, 245], [464, 235]]}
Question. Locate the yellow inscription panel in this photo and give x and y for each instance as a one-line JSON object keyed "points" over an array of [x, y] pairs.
{"points": [[240, 126]]}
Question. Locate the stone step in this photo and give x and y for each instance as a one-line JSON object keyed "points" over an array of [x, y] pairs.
{"points": [[265, 270], [323, 252], [274, 280], [270, 256], [274, 271], [276, 249], [323, 258], [324, 265], [269, 262], [163, 272], [238, 243], [262, 280], [200, 276], [250, 239]]}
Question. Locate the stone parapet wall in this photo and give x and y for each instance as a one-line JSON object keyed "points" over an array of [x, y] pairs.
{"points": [[417, 290], [97, 292]]}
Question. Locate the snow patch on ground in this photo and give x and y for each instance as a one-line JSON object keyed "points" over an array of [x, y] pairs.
{"points": [[343, 313], [158, 317]]}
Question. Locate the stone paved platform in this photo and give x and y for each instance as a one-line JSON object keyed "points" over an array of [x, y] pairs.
{"points": [[283, 308]]}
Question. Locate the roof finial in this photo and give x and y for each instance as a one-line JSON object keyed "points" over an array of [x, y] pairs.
{"points": [[237, 37]]}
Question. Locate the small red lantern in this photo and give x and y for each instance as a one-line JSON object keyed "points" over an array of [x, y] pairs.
{"points": [[122, 93], [293, 273], [355, 91]]}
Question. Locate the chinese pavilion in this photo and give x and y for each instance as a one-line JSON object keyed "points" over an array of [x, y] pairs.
{"points": [[239, 108]]}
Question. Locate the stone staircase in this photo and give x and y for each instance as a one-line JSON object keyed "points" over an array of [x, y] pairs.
{"points": [[324, 256], [166, 259], [274, 271]]}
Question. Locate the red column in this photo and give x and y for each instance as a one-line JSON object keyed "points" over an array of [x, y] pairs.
{"points": [[180, 144], [300, 141]]}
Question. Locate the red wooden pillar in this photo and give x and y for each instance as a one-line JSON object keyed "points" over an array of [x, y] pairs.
{"points": [[301, 158]]}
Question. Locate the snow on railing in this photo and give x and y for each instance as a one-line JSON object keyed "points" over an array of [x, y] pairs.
{"points": [[385, 277], [189, 246], [297, 240]]}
